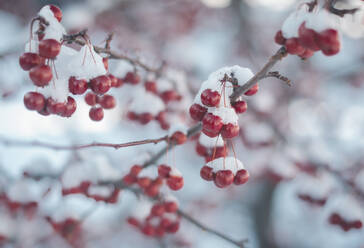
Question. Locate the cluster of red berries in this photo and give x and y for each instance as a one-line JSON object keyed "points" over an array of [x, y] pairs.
{"points": [[162, 219], [309, 41], [166, 95], [146, 117], [224, 173], [70, 229], [28, 208], [337, 219]]}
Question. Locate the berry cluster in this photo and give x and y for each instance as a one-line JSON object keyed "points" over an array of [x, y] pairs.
{"points": [[337, 219], [304, 33], [157, 220], [210, 148], [70, 229]]}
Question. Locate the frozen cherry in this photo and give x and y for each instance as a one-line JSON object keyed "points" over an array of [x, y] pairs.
{"points": [[224, 178], [175, 183], [135, 170], [41, 75], [96, 114], [163, 171], [113, 81], [107, 102], [293, 46], [70, 107], [207, 173], [34, 101], [54, 107], [328, 41], [307, 38], [170, 95], [132, 78], [144, 182], [229, 131], [56, 12], [210, 98], [211, 125], [197, 112], [252, 91], [49, 48], [101, 84], [145, 118], [157, 210], [240, 106], [91, 99], [170, 206], [77, 86], [241, 177], [179, 137], [29, 60]]}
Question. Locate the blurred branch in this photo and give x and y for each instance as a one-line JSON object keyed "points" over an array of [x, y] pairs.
{"points": [[277, 75], [340, 12]]}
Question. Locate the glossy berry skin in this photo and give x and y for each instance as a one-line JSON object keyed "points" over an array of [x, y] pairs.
{"points": [[293, 46], [206, 173], [179, 138], [49, 48], [41, 75], [241, 177], [77, 86], [107, 102], [91, 99], [163, 171], [29, 60], [211, 125], [197, 112], [56, 12], [175, 183], [240, 106], [96, 114], [229, 131], [279, 39], [210, 98], [101, 84], [224, 178], [328, 41], [131, 78], [252, 91], [34, 101], [70, 107], [307, 38]]}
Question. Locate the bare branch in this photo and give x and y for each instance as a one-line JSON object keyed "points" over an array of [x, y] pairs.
{"points": [[340, 12], [277, 75]]}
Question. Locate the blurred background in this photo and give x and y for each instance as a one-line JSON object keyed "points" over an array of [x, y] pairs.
{"points": [[287, 132]]}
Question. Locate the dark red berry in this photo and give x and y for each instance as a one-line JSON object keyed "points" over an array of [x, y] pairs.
{"points": [[175, 183], [252, 91], [241, 177], [77, 87], [135, 170], [197, 112], [173, 228], [293, 46], [224, 178], [29, 60], [201, 150], [179, 138], [163, 171], [129, 179], [41, 75], [70, 107], [210, 98], [328, 41], [107, 102], [132, 116], [101, 84], [34, 101], [144, 182], [211, 125], [54, 107], [307, 38], [169, 95], [240, 106], [207, 173], [151, 86], [170, 207], [279, 39], [145, 118], [229, 131], [56, 12], [96, 114], [307, 54], [91, 99], [113, 81], [49, 48], [157, 210], [131, 78]]}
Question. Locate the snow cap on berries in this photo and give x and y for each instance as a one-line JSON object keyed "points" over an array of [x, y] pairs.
{"points": [[227, 163]]}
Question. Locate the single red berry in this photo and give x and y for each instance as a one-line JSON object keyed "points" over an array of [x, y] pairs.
{"points": [[107, 102], [101, 84], [179, 138], [207, 173], [335, 219], [77, 86], [49, 48], [164, 223], [34, 101], [106, 63], [144, 182], [241, 177], [224, 178], [113, 81], [129, 179], [201, 150], [157, 210], [131, 78], [159, 232], [161, 117], [148, 230], [210, 98], [152, 190], [133, 221], [56, 108], [56, 12], [70, 107], [279, 38], [229, 131], [91, 99], [175, 183], [170, 95], [357, 224], [328, 41], [170, 207], [172, 228], [132, 116], [307, 38], [197, 112], [96, 114], [252, 91], [293, 46], [29, 60], [41, 75], [135, 170], [221, 152], [145, 118], [163, 171], [240, 106], [151, 86], [211, 125], [164, 125]]}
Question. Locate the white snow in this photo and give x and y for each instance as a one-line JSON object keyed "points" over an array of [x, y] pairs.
{"points": [[209, 142], [292, 23], [228, 163], [178, 127], [228, 115], [146, 102], [24, 191], [151, 172], [318, 187], [121, 68], [54, 30], [142, 209], [346, 206], [103, 191], [322, 20], [175, 172]]}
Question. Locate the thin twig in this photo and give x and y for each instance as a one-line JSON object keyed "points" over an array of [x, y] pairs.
{"points": [[340, 12], [277, 75]]}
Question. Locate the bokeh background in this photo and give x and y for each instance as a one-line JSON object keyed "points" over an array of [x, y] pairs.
{"points": [[318, 121]]}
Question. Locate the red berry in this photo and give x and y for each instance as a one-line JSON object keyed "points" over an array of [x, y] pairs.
{"points": [[131, 78], [197, 112], [210, 98], [77, 87], [307, 54], [113, 81], [229, 131], [41, 75], [107, 102], [49, 48], [201, 150], [240, 106], [224, 178], [91, 99], [279, 39], [148, 230], [175, 183], [96, 114], [151, 86], [241, 177], [328, 41], [152, 190], [170, 207], [179, 138], [132, 116], [307, 37], [144, 182], [135, 170], [44, 111], [169, 95], [70, 107], [129, 179], [172, 228], [145, 118], [163, 171], [56, 108], [164, 223], [157, 210], [133, 221], [29, 60], [106, 63], [159, 232], [252, 91], [211, 125], [101, 84], [34, 101], [293, 46], [56, 12], [207, 173]]}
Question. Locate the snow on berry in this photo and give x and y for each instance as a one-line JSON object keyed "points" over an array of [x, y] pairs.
{"points": [[54, 30], [25, 191]]}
